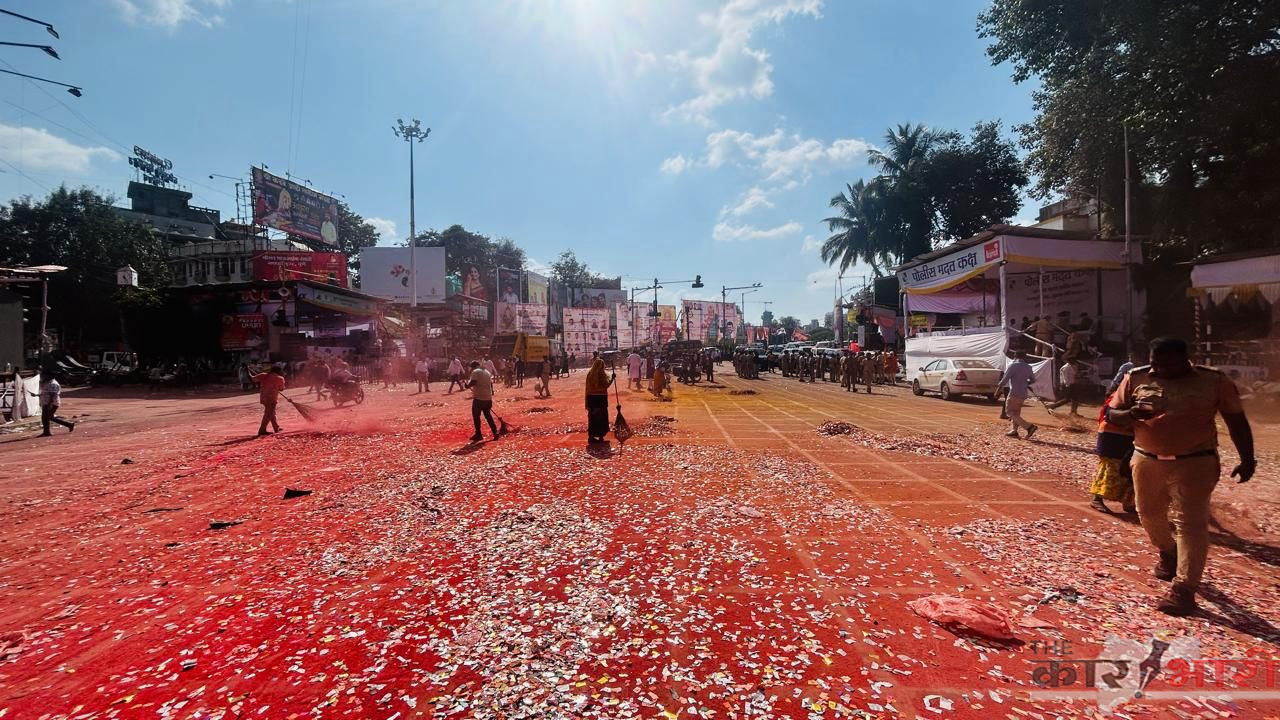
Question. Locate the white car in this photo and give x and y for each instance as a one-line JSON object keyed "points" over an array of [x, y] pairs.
{"points": [[952, 378]]}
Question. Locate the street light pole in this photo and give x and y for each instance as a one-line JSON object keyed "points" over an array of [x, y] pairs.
{"points": [[411, 133], [723, 291]]}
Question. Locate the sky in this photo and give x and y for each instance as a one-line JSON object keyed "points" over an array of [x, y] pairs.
{"points": [[655, 138]]}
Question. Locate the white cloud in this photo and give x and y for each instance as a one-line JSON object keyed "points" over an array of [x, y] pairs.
{"points": [[727, 232], [823, 279], [733, 69], [39, 149], [751, 199], [810, 244], [387, 231], [675, 165], [169, 14], [644, 62], [780, 157]]}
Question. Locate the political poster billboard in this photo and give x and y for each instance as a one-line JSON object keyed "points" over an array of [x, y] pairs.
{"points": [[598, 298], [509, 282], [585, 330], [384, 273], [703, 321], [528, 318], [289, 207], [536, 287], [329, 267]]}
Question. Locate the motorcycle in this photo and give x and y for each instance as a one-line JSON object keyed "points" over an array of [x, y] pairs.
{"points": [[345, 391]]}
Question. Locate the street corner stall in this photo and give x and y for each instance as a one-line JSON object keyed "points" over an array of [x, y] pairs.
{"points": [[1236, 321], [1055, 294]]}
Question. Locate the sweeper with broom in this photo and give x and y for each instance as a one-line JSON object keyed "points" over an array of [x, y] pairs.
{"points": [[270, 386], [598, 401]]}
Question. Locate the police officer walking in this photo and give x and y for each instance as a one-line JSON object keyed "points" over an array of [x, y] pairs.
{"points": [[1171, 405]]}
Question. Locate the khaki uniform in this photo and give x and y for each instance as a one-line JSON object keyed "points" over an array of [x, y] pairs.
{"points": [[1175, 462]]}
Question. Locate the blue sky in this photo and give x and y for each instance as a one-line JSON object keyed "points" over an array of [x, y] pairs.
{"points": [[655, 138]]}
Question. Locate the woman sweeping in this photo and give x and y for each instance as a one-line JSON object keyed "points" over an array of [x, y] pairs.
{"points": [[598, 401], [1112, 480]]}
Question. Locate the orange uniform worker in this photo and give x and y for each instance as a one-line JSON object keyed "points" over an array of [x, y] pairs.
{"points": [[270, 384], [1171, 405]]}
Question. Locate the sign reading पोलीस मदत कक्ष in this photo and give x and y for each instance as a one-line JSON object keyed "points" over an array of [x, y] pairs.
{"points": [[950, 269]]}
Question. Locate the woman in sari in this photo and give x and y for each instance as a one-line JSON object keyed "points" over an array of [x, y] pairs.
{"points": [[1112, 480], [660, 379], [598, 401]]}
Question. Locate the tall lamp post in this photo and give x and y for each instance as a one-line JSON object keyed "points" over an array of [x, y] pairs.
{"points": [[724, 325], [412, 133], [695, 283]]}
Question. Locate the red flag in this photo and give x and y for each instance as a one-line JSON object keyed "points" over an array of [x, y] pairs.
{"points": [[799, 335]]}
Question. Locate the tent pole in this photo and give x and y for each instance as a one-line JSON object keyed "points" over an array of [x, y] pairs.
{"points": [[1004, 308]]}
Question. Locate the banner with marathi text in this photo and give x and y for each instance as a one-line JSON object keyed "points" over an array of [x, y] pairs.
{"points": [[530, 318]]}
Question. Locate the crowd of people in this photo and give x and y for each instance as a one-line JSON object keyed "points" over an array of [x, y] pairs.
{"points": [[848, 368]]}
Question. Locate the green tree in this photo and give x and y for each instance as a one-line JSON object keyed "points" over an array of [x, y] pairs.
{"points": [[933, 188], [571, 272], [766, 318], [1193, 81], [79, 230], [821, 334], [465, 249], [789, 323]]}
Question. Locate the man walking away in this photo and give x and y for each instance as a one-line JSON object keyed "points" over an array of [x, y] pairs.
{"points": [[455, 376], [50, 400], [1074, 382], [481, 384], [270, 385], [635, 369], [1018, 377], [868, 370], [519, 372], [1172, 405], [422, 372]]}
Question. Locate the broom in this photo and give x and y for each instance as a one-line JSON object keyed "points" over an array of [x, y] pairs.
{"points": [[307, 413], [621, 430]]}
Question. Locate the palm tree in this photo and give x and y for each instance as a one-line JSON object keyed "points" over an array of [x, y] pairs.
{"points": [[907, 207], [857, 233]]}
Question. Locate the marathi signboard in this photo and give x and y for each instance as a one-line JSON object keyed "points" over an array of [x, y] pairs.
{"points": [[585, 330], [289, 207], [1070, 291], [153, 168], [330, 267], [528, 318], [384, 273], [951, 269], [332, 300], [244, 332]]}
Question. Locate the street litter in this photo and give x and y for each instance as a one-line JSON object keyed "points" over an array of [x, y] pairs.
{"points": [[979, 617]]}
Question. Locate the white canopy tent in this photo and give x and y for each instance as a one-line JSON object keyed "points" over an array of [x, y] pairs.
{"points": [[1010, 273]]}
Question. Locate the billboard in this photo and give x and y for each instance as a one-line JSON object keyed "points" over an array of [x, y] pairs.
{"points": [[633, 336], [244, 332], [475, 284], [528, 318], [289, 207], [536, 286], [384, 273], [702, 320], [328, 267], [597, 298], [509, 286], [585, 330]]}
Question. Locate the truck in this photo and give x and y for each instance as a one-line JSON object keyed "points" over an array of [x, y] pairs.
{"points": [[529, 348]]}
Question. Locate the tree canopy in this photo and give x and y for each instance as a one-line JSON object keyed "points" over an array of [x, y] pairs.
{"points": [[569, 271], [934, 187], [465, 249], [1193, 82]]}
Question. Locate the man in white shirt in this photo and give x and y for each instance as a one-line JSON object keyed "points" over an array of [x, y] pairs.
{"points": [[50, 400], [455, 375], [481, 384], [422, 373], [1075, 381], [1018, 377], [635, 369]]}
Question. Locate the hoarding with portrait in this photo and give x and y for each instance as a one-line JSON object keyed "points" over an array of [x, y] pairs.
{"points": [[509, 286], [585, 330], [244, 332], [384, 273], [289, 207], [702, 320], [530, 318], [536, 288]]}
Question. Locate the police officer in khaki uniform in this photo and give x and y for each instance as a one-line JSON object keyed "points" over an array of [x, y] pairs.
{"points": [[1172, 405]]}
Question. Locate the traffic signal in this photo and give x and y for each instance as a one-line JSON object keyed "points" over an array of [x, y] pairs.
{"points": [[697, 281]]}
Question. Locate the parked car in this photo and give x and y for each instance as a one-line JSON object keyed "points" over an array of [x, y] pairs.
{"points": [[954, 377]]}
